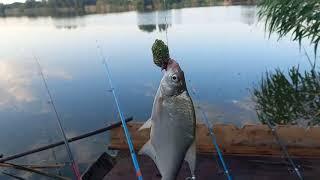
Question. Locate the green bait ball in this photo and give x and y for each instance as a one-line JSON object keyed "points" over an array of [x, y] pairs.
{"points": [[160, 53]]}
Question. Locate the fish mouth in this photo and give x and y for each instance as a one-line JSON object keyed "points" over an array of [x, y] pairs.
{"points": [[171, 64]]}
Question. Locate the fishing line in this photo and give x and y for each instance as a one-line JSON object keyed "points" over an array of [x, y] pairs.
{"points": [[211, 132], [226, 171], [165, 19], [123, 121], [284, 150], [203, 114], [283, 147], [74, 165]]}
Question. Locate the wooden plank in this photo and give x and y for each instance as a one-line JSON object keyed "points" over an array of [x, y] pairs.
{"points": [[241, 168], [248, 140]]}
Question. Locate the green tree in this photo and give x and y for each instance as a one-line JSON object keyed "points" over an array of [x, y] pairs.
{"points": [[2, 8], [31, 4]]}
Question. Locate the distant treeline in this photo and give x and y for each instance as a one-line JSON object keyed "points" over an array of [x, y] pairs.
{"points": [[78, 7]]}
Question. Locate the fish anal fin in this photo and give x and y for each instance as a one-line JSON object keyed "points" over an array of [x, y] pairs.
{"points": [[191, 158], [146, 125]]}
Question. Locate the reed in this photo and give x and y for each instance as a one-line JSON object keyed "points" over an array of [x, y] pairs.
{"points": [[289, 99], [298, 18]]}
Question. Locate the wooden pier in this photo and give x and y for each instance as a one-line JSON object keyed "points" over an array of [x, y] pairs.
{"points": [[241, 168], [250, 152], [250, 140]]}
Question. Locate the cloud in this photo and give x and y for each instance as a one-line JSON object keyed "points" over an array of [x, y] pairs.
{"points": [[17, 80], [14, 81]]}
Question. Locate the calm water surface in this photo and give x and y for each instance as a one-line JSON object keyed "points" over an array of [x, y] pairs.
{"points": [[223, 51]]}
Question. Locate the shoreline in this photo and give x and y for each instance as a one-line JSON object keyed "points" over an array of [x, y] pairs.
{"points": [[8, 11]]}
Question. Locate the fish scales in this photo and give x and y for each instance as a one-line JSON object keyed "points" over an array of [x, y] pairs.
{"points": [[172, 125]]}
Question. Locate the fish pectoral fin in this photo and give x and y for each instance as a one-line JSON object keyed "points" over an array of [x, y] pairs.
{"points": [[146, 125], [148, 150], [191, 157]]}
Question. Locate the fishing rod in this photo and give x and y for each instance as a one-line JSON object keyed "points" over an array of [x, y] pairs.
{"points": [[275, 134], [124, 125], [33, 170], [211, 132], [73, 162], [284, 150], [48, 166], [13, 176], [59, 143]]}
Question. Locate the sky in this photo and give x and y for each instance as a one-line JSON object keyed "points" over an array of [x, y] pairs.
{"points": [[10, 1]]}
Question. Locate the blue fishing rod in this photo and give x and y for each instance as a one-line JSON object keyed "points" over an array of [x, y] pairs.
{"points": [[123, 121], [214, 139]]}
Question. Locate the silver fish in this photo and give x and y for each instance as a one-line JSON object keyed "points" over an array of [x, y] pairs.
{"points": [[173, 125]]}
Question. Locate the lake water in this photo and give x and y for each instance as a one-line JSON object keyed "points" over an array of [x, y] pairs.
{"points": [[223, 50]]}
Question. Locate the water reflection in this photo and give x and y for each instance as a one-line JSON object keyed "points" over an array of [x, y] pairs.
{"points": [[160, 20], [68, 23], [15, 85], [150, 21], [239, 112], [163, 27], [147, 28], [248, 14], [17, 80]]}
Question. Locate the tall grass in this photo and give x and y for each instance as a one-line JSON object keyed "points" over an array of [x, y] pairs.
{"points": [[292, 99]]}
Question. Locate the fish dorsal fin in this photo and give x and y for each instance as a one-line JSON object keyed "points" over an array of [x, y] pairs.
{"points": [[190, 158], [146, 125], [148, 150]]}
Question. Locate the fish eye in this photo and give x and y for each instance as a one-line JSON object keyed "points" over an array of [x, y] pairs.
{"points": [[174, 78]]}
